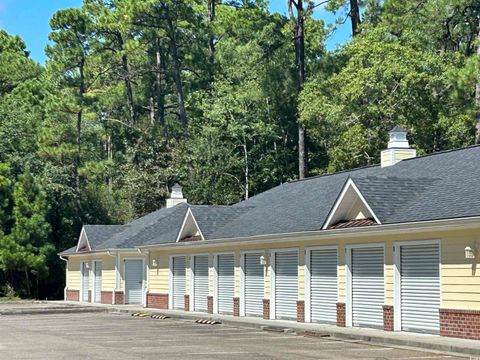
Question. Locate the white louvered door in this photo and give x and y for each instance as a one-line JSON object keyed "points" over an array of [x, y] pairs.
{"points": [[323, 285], [367, 287], [200, 282], [178, 278], [98, 281], [254, 284], [225, 282], [133, 281], [286, 284], [85, 281], [420, 288]]}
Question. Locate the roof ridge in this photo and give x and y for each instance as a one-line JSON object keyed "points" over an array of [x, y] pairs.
{"points": [[334, 173], [441, 152]]}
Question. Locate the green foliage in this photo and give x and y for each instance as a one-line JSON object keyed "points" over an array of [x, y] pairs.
{"points": [[130, 102]]}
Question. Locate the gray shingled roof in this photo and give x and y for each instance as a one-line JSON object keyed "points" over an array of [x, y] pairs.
{"points": [[437, 186]]}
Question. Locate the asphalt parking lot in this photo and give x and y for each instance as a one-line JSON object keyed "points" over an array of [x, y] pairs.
{"points": [[121, 336]]}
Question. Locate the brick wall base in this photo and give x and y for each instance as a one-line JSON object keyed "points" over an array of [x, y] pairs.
{"points": [[210, 304], [236, 306], [118, 297], [301, 311], [341, 314], [266, 309], [73, 295], [388, 317], [106, 297], [460, 323], [89, 295], [186, 303], [157, 301]]}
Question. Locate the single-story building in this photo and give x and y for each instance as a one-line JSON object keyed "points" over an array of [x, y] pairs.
{"points": [[393, 246]]}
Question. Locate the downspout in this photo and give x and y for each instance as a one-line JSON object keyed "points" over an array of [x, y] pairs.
{"points": [[116, 274], [66, 277]]}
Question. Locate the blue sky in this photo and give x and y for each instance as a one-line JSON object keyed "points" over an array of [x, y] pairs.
{"points": [[29, 19]]}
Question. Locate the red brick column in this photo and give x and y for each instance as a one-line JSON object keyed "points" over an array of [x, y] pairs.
{"points": [[388, 317], [186, 303], [460, 323], [73, 295], [300, 311], [266, 309], [118, 297], [106, 297], [210, 304], [158, 301], [341, 319], [89, 295], [236, 306]]}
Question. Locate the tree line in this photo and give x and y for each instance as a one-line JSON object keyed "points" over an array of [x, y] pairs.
{"points": [[225, 97]]}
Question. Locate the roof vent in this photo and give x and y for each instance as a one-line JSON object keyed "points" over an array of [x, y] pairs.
{"points": [[176, 196], [398, 148]]}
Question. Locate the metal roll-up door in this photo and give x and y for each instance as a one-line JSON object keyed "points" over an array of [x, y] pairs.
{"points": [[200, 282], [420, 288], [178, 272], [323, 285], [286, 285], [133, 281], [85, 281], [226, 282], [254, 284], [98, 282], [367, 287]]}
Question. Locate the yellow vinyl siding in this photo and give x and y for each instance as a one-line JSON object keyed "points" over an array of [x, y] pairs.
{"points": [[159, 274], [73, 273]]}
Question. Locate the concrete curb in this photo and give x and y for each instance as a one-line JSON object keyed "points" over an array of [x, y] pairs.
{"points": [[40, 311], [333, 333]]}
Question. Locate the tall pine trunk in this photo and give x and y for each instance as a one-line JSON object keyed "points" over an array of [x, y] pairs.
{"points": [[477, 94], [182, 113], [211, 44], [299, 41], [159, 83], [78, 138], [355, 17]]}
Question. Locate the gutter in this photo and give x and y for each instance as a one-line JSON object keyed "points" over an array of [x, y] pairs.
{"points": [[358, 232]]}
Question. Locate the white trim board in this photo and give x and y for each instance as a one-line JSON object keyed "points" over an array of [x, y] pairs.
{"points": [[183, 229], [83, 235], [340, 208]]}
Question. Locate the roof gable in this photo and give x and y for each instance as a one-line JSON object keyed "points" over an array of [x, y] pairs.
{"points": [[83, 244], [350, 205], [189, 229]]}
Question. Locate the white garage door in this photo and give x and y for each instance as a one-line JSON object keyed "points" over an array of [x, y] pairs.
{"points": [[98, 281], [85, 281], [323, 285], [200, 282], [226, 282], [367, 287], [286, 285], [253, 284], [420, 288], [133, 281], [178, 279]]}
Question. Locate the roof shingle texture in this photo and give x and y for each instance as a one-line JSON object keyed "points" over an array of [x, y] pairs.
{"points": [[437, 186]]}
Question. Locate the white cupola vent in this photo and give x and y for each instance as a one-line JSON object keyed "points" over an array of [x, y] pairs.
{"points": [[176, 196], [398, 148]]}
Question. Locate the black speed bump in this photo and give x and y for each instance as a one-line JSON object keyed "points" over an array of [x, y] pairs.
{"points": [[160, 317], [207, 322]]}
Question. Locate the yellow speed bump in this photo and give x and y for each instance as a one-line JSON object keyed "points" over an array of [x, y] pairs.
{"points": [[140, 314], [160, 317]]}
